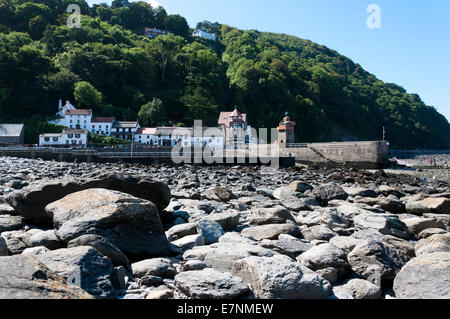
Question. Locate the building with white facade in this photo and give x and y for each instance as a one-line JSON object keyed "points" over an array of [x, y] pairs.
{"points": [[205, 35], [71, 117], [67, 138], [102, 125]]}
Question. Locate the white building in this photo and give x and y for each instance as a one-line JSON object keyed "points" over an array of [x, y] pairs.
{"points": [[71, 117], [102, 125], [67, 138], [205, 35]]}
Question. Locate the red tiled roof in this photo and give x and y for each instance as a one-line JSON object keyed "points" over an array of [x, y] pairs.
{"points": [[103, 119], [79, 112]]}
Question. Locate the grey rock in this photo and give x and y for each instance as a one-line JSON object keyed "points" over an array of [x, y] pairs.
{"points": [[161, 267], [189, 242], [271, 231], [194, 265], [327, 192], [424, 234], [47, 239], [182, 230], [291, 247], [280, 277], [376, 261], [345, 243], [102, 245], [10, 222], [318, 232], [385, 224], [424, 277], [325, 256], [228, 221], [84, 263], [210, 230], [30, 202], [433, 244], [210, 284], [299, 186], [131, 224], [3, 247], [24, 277], [407, 247], [35, 251], [150, 280], [439, 205], [416, 225], [219, 193], [368, 234], [274, 215], [359, 289], [5, 209]]}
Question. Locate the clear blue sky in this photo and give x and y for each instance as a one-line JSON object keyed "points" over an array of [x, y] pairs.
{"points": [[412, 47]]}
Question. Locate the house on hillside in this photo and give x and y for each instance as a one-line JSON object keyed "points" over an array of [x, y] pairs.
{"points": [[67, 138], [102, 125], [153, 33], [205, 35], [71, 117], [124, 130], [11, 134]]}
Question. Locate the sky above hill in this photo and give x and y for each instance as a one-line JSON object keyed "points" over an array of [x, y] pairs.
{"points": [[411, 48]]}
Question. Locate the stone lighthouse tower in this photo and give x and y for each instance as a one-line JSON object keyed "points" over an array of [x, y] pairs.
{"points": [[286, 131]]}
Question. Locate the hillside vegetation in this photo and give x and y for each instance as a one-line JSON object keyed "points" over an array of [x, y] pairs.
{"points": [[108, 65]]}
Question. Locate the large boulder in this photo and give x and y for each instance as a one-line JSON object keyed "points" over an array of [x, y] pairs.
{"points": [[325, 256], [228, 220], [103, 246], [385, 224], [271, 231], [131, 224], [24, 277], [279, 277], [273, 215], [318, 232], [210, 284], [30, 201], [327, 192], [376, 261], [416, 225], [84, 265], [440, 205], [433, 244], [424, 277]]}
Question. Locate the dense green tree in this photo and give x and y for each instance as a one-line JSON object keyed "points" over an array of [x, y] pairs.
{"points": [[153, 113], [177, 24], [86, 96]]}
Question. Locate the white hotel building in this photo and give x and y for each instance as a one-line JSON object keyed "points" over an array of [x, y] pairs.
{"points": [[68, 138]]}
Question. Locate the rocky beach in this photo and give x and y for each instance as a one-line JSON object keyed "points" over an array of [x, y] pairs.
{"points": [[126, 231]]}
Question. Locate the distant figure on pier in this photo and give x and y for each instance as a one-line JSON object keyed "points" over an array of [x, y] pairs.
{"points": [[431, 161]]}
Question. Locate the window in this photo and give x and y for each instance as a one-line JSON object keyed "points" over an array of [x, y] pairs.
{"points": [[74, 142], [55, 139], [77, 135], [69, 135], [47, 139]]}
